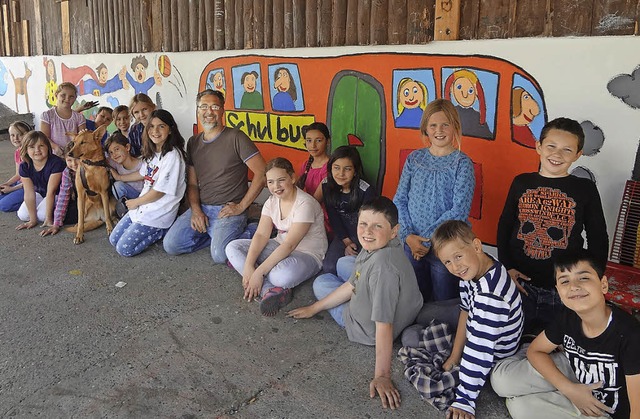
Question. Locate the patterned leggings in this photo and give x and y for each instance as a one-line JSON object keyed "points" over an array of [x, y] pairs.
{"points": [[131, 238]]}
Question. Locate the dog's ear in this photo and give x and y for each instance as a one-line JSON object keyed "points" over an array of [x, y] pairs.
{"points": [[99, 132]]}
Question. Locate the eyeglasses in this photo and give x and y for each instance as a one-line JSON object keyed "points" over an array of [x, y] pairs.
{"points": [[204, 108]]}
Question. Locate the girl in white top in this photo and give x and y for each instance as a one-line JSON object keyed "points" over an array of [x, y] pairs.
{"points": [[152, 213], [271, 267], [57, 121]]}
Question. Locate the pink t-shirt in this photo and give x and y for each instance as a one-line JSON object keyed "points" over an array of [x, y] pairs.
{"points": [[305, 210], [16, 156], [60, 126], [314, 177]]}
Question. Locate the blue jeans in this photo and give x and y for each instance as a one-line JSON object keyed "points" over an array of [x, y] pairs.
{"points": [[289, 272], [124, 189], [345, 267], [436, 283], [11, 201], [131, 238], [181, 238], [334, 252], [324, 285], [541, 307]]}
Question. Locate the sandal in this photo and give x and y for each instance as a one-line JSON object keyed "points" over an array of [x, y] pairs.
{"points": [[274, 299]]}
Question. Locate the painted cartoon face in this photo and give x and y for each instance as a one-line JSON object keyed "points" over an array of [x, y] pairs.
{"points": [[102, 77], [123, 121], [463, 259], [374, 230], [411, 95], [316, 143], [530, 110], [211, 112], [50, 69], [580, 288], [343, 173], [118, 152], [280, 183], [15, 137], [558, 150], [38, 152], [66, 97], [249, 83], [141, 112], [140, 73], [283, 81], [441, 134], [464, 92], [217, 80], [158, 132], [104, 117], [72, 163]]}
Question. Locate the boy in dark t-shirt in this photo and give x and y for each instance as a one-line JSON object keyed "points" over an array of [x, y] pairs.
{"points": [[544, 216], [598, 371]]}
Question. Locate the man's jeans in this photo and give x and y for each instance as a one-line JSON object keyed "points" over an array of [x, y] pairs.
{"points": [[181, 238]]}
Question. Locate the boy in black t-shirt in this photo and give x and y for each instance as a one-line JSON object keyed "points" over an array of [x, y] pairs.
{"points": [[544, 216], [598, 372]]}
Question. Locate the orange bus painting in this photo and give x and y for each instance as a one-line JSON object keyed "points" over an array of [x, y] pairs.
{"points": [[373, 101]]}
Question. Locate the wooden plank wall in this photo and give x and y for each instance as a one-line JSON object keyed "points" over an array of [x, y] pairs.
{"points": [[121, 26]]}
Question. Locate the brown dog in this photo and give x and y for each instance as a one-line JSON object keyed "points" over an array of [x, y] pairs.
{"points": [[92, 183]]}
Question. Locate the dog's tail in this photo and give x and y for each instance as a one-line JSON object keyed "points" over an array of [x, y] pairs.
{"points": [[88, 226]]}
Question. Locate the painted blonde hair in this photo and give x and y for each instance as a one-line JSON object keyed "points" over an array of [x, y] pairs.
{"points": [[425, 94]]}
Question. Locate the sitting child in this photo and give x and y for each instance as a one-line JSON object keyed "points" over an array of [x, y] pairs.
{"points": [[11, 192], [66, 210], [104, 116], [490, 318], [379, 300], [122, 119], [344, 191], [598, 371], [271, 267], [126, 168]]}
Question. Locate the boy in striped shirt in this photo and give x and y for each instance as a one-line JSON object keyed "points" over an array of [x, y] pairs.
{"points": [[490, 318]]}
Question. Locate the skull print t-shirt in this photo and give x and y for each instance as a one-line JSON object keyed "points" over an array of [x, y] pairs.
{"points": [[545, 217]]}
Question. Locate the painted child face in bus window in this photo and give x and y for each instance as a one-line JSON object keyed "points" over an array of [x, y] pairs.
{"points": [[464, 92], [316, 143], [530, 110], [249, 83], [217, 80], [283, 81], [411, 95]]}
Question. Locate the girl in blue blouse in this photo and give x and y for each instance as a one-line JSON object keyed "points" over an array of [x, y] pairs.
{"points": [[436, 185]]}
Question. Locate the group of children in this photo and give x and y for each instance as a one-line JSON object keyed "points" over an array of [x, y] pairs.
{"points": [[386, 264]]}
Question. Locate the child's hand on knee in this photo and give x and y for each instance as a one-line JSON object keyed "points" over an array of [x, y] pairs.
{"points": [[389, 394], [581, 395]]}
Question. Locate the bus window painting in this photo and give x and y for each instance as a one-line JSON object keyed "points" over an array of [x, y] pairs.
{"points": [[285, 88], [526, 117], [360, 107], [216, 81], [413, 89], [247, 89]]}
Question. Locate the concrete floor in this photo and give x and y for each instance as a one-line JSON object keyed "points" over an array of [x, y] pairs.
{"points": [[176, 342]]}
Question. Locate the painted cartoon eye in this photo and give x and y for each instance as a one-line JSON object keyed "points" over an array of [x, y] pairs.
{"points": [[525, 97], [406, 92], [471, 90], [459, 86], [415, 90]]}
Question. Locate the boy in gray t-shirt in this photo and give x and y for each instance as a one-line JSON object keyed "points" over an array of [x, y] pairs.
{"points": [[380, 298]]}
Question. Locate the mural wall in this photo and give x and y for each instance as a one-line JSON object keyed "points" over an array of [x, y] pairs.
{"points": [[504, 91]]}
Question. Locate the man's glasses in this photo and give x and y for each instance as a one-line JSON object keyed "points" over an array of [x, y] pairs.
{"points": [[204, 108]]}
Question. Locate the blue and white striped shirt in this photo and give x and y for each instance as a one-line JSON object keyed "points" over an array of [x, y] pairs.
{"points": [[494, 328]]}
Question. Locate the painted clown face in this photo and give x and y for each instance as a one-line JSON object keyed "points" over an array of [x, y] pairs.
{"points": [[411, 95], [140, 73], [464, 92], [283, 81]]}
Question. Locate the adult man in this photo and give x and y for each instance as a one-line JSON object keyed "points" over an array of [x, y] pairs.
{"points": [[217, 190]]}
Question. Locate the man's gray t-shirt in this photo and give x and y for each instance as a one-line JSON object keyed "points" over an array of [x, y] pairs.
{"points": [[220, 165], [385, 291]]}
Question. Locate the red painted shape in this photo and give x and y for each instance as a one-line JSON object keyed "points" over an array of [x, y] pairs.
{"points": [[354, 140]]}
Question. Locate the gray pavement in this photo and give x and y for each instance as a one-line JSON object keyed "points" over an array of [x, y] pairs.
{"points": [[176, 342]]}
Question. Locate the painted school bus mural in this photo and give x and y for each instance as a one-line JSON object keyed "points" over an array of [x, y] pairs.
{"points": [[374, 102]]}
